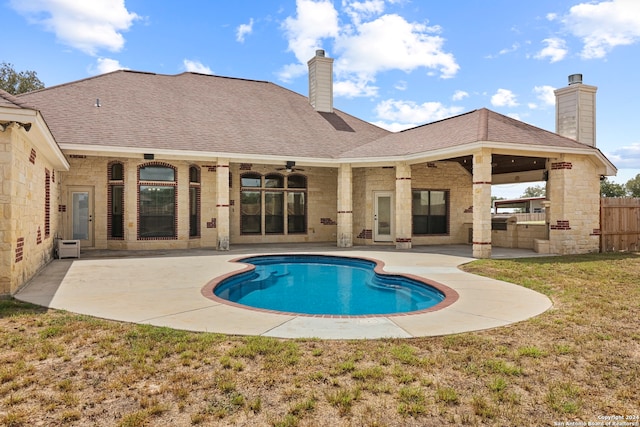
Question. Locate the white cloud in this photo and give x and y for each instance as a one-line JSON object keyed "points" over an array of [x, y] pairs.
{"points": [[392, 43], [243, 30], [354, 88], [290, 71], [555, 50], [395, 127], [314, 21], [545, 94], [625, 157], [504, 98], [88, 26], [513, 48], [106, 65], [359, 10], [459, 95], [369, 44], [401, 85], [604, 25], [196, 67], [412, 114]]}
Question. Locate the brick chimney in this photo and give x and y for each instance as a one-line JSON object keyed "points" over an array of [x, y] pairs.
{"points": [[576, 111], [321, 82]]}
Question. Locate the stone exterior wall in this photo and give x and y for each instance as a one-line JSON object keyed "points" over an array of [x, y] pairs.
{"points": [[322, 220], [573, 190], [27, 227], [92, 172], [367, 181], [455, 179], [520, 236], [425, 176]]}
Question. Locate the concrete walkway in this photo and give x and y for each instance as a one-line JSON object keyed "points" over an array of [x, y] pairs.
{"points": [[164, 289]]}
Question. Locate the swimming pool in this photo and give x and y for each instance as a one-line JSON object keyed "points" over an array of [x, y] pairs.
{"points": [[325, 285]]}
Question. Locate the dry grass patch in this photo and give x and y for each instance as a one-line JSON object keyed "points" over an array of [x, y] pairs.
{"points": [[577, 361]]}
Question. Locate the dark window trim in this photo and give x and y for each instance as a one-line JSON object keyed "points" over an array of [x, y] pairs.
{"points": [[447, 213], [285, 190], [146, 183]]}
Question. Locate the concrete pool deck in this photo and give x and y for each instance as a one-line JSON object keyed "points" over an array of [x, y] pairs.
{"points": [[163, 288]]}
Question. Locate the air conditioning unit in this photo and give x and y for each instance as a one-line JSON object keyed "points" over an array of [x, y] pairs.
{"points": [[68, 248]]}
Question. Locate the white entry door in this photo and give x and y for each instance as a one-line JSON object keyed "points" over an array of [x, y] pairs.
{"points": [[81, 218], [383, 216]]}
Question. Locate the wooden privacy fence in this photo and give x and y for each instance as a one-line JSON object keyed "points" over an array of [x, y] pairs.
{"points": [[619, 224]]}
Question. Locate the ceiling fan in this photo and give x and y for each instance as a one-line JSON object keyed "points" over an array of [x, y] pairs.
{"points": [[290, 167]]}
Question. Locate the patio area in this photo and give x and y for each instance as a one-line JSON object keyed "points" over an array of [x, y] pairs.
{"points": [[164, 288]]}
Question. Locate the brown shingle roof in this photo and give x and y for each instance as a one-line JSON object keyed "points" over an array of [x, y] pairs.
{"points": [[474, 126], [204, 113], [11, 101], [196, 112]]}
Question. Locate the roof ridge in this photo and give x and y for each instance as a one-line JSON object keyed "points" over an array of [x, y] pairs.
{"points": [[13, 99], [483, 124], [438, 121], [533, 127]]}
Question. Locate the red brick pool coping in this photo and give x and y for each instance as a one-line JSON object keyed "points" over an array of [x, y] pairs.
{"points": [[450, 295]]}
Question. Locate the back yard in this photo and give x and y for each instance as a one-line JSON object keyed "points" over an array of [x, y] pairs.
{"points": [[579, 361]]}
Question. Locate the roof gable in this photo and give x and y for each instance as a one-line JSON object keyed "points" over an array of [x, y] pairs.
{"points": [[480, 125]]}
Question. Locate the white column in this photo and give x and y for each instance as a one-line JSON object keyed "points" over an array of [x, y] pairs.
{"points": [[482, 203], [222, 204], [403, 206], [345, 207]]}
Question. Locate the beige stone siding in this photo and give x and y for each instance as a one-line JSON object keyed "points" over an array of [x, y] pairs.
{"points": [[25, 245], [367, 181], [573, 190], [322, 188], [518, 236], [433, 176], [455, 179], [92, 172]]}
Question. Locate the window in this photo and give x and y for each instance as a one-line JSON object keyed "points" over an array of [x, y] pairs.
{"points": [[157, 202], [430, 212], [115, 201], [194, 201], [268, 206], [296, 204]]}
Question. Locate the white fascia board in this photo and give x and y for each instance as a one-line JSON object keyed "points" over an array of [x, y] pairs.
{"points": [[164, 154], [435, 155], [468, 149], [39, 134]]}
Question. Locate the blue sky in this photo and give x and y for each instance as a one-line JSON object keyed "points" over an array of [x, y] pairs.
{"points": [[398, 63]]}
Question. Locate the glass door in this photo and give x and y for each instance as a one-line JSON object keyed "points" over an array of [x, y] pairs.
{"points": [[383, 217], [81, 201]]}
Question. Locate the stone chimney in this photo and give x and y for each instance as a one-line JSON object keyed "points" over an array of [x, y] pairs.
{"points": [[576, 111], [321, 82]]}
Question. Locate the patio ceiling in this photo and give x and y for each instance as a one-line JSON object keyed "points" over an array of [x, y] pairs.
{"points": [[505, 164]]}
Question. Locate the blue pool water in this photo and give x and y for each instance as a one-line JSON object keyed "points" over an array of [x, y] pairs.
{"points": [[317, 284]]}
